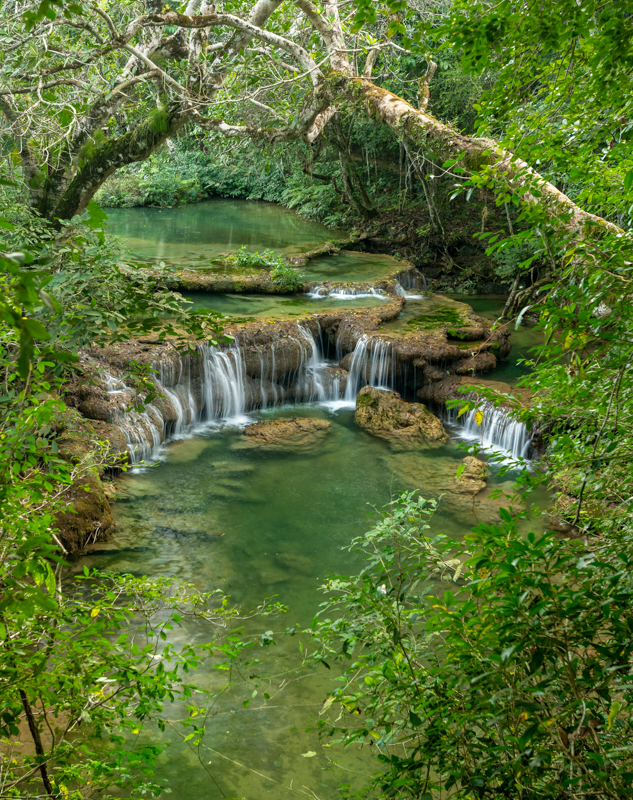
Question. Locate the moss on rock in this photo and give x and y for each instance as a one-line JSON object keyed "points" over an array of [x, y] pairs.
{"points": [[387, 415]]}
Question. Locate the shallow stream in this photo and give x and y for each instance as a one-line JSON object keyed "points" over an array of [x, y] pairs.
{"points": [[257, 520]]}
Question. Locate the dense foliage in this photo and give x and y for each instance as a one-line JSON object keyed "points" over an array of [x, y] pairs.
{"points": [[514, 682], [84, 668]]}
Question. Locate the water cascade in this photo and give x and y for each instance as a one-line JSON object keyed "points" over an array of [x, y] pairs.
{"points": [[375, 366], [497, 432], [322, 292], [223, 387], [409, 280], [224, 392]]}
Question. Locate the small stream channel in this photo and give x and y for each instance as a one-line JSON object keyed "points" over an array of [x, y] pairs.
{"points": [[255, 521]]}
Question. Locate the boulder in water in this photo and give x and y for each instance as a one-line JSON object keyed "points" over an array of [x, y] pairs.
{"points": [[472, 479], [287, 433], [294, 563], [386, 414]]}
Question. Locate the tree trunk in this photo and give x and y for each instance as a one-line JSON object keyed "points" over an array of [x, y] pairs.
{"points": [[136, 145], [37, 741], [420, 129]]}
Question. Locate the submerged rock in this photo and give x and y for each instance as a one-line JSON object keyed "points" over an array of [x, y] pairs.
{"points": [[386, 414], [472, 479], [288, 432], [294, 563]]}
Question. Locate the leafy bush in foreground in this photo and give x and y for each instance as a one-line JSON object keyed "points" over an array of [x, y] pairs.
{"points": [[514, 682]]}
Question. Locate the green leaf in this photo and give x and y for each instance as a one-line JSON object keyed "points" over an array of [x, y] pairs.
{"points": [[36, 329], [414, 719]]}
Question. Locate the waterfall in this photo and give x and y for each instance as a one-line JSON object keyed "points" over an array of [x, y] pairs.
{"points": [[323, 292], [225, 392], [224, 386], [312, 384], [143, 433], [180, 396], [143, 430], [409, 280], [497, 432], [375, 367]]}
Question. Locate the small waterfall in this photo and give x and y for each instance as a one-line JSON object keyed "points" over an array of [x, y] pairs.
{"points": [[224, 387], [143, 433], [312, 383], [375, 366], [498, 431], [143, 430], [409, 280], [324, 292], [177, 389]]}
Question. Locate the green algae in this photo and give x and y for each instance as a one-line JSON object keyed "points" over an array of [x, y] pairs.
{"points": [[439, 318]]}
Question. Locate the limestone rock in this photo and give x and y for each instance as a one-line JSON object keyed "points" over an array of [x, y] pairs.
{"points": [[386, 414], [294, 563], [448, 388], [472, 479], [481, 362], [287, 433]]}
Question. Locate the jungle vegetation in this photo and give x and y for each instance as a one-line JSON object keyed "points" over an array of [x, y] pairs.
{"points": [[517, 681]]}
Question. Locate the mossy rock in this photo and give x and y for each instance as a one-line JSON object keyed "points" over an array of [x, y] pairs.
{"points": [[87, 517], [387, 415], [435, 320]]}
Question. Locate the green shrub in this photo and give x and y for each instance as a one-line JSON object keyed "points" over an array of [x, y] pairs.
{"points": [[287, 278], [496, 668]]}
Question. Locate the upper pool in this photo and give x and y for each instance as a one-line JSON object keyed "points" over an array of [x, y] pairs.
{"points": [[193, 234]]}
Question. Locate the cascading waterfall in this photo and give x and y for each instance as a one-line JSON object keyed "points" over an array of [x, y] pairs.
{"points": [[180, 396], [375, 366], [404, 282], [323, 292], [224, 386], [142, 429], [226, 393], [312, 384], [226, 390], [497, 431]]}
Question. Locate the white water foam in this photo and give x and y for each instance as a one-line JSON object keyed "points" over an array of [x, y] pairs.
{"points": [[323, 293], [498, 434]]}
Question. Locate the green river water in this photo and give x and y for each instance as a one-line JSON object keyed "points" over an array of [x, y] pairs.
{"points": [[255, 521], [191, 237]]}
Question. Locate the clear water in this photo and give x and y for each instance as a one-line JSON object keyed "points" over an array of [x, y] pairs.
{"points": [[351, 266], [256, 521], [220, 512], [272, 306], [194, 234], [431, 305]]}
